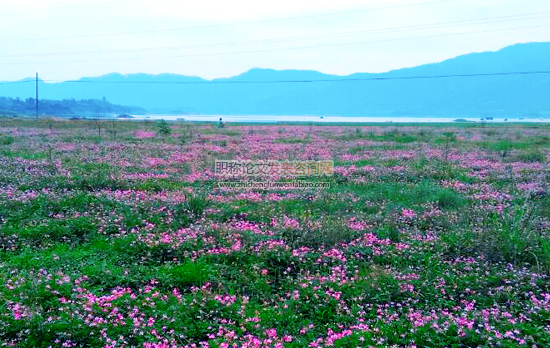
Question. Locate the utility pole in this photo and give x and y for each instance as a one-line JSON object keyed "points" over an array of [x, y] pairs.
{"points": [[36, 95]]}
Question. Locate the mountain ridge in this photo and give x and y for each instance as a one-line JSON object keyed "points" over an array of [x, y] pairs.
{"points": [[263, 91]]}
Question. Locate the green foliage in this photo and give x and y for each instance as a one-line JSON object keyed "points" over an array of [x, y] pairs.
{"points": [[6, 140], [188, 274], [64, 107], [331, 235], [449, 199], [69, 231], [92, 177], [187, 133], [417, 239], [513, 239], [164, 128], [531, 156], [193, 208], [292, 140], [197, 203]]}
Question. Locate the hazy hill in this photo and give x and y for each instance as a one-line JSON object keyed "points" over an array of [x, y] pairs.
{"points": [[519, 95]]}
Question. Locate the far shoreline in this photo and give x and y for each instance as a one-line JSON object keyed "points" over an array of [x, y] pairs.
{"points": [[321, 119]]}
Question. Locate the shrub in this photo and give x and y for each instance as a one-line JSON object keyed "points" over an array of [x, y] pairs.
{"points": [[164, 128]]}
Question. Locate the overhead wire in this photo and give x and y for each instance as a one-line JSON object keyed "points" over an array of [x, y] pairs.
{"points": [[340, 79], [278, 49], [276, 40], [31, 9], [221, 25], [437, 25]]}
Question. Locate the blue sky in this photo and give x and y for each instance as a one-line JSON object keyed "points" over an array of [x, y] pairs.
{"points": [[68, 39]]}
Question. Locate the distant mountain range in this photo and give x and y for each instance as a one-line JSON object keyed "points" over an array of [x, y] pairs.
{"points": [[395, 93]]}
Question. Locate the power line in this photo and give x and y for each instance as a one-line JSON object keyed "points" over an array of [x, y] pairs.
{"points": [[281, 49], [343, 79], [62, 7], [346, 43], [233, 24], [437, 25]]}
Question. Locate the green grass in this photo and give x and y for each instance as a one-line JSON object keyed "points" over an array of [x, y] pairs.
{"points": [[443, 216]]}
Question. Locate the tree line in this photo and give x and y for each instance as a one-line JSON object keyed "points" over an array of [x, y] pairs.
{"points": [[65, 107]]}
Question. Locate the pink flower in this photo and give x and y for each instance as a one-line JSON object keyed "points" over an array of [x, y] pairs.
{"points": [[143, 135], [17, 311], [271, 333], [291, 223], [357, 225], [401, 246], [408, 213], [237, 245]]}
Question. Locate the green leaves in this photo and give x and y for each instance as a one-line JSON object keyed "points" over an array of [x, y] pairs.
{"points": [[164, 128]]}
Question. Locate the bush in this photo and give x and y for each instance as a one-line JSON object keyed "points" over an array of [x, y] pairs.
{"points": [[164, 128]]}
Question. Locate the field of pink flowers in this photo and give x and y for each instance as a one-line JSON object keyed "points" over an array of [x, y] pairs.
{"points": [[116, 234]]}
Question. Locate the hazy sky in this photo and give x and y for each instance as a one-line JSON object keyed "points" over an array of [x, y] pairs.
{"points": [[69, 39]]}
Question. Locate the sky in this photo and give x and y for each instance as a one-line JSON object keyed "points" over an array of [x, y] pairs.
{"points": [[70, 39]]}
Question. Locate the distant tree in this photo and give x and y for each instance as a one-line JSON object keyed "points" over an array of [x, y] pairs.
{"points": [[63, 107], [164, 128]]}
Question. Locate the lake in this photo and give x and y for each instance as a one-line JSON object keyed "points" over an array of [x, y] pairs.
{"points": [[327, 119]]}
